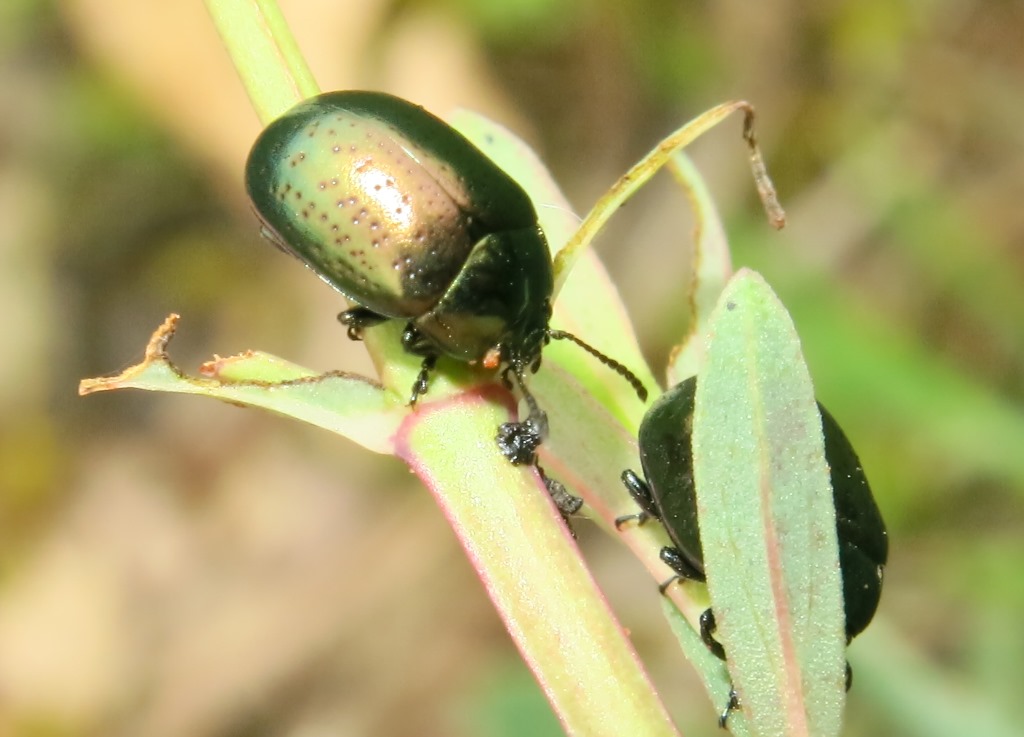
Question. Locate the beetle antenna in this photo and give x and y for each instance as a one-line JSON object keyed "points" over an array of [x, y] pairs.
{"points": [[638, 387]]}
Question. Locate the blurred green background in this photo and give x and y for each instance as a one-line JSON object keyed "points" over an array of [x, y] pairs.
{"points": [[170, 566]]}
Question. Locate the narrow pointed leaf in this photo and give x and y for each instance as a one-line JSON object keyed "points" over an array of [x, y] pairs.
{"points": [[712, 267], [767, 519], [346, 404]]}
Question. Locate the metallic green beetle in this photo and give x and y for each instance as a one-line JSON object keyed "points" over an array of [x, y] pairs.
{"points": [[668, 494], [410, 221]]}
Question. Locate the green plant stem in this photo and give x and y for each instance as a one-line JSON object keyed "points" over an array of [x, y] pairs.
{"points": [[534, 574], [265, 54]]}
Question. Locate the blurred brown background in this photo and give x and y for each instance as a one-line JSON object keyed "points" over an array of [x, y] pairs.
{"points": [[172, 566]]}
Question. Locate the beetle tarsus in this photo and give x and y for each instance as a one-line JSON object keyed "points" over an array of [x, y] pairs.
{"points": [[640, 518], [419, 387], [663, 586], [357, 319], [518, 441], [730, 706], [568, 504]]}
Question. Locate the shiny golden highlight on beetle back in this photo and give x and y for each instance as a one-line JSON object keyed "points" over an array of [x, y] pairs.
{"points": [[360, 207]]}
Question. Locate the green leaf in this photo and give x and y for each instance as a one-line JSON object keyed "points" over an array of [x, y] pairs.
{"points": [[521, 162], [767, 518], [712, 267], [346, 404]]}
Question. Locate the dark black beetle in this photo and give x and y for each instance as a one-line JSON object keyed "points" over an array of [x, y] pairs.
{"points": [[668, 494], [409, 220]]}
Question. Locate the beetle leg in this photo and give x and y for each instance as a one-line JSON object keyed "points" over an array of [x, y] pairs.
{"points": [[663, 586], [640, 518], [538, 416], [680, 564], [356, 319], [730, 706], [518, 441], [707, 634], [414, 342], [568, 504], [419, 387], [683, 569], [641, 493]]}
